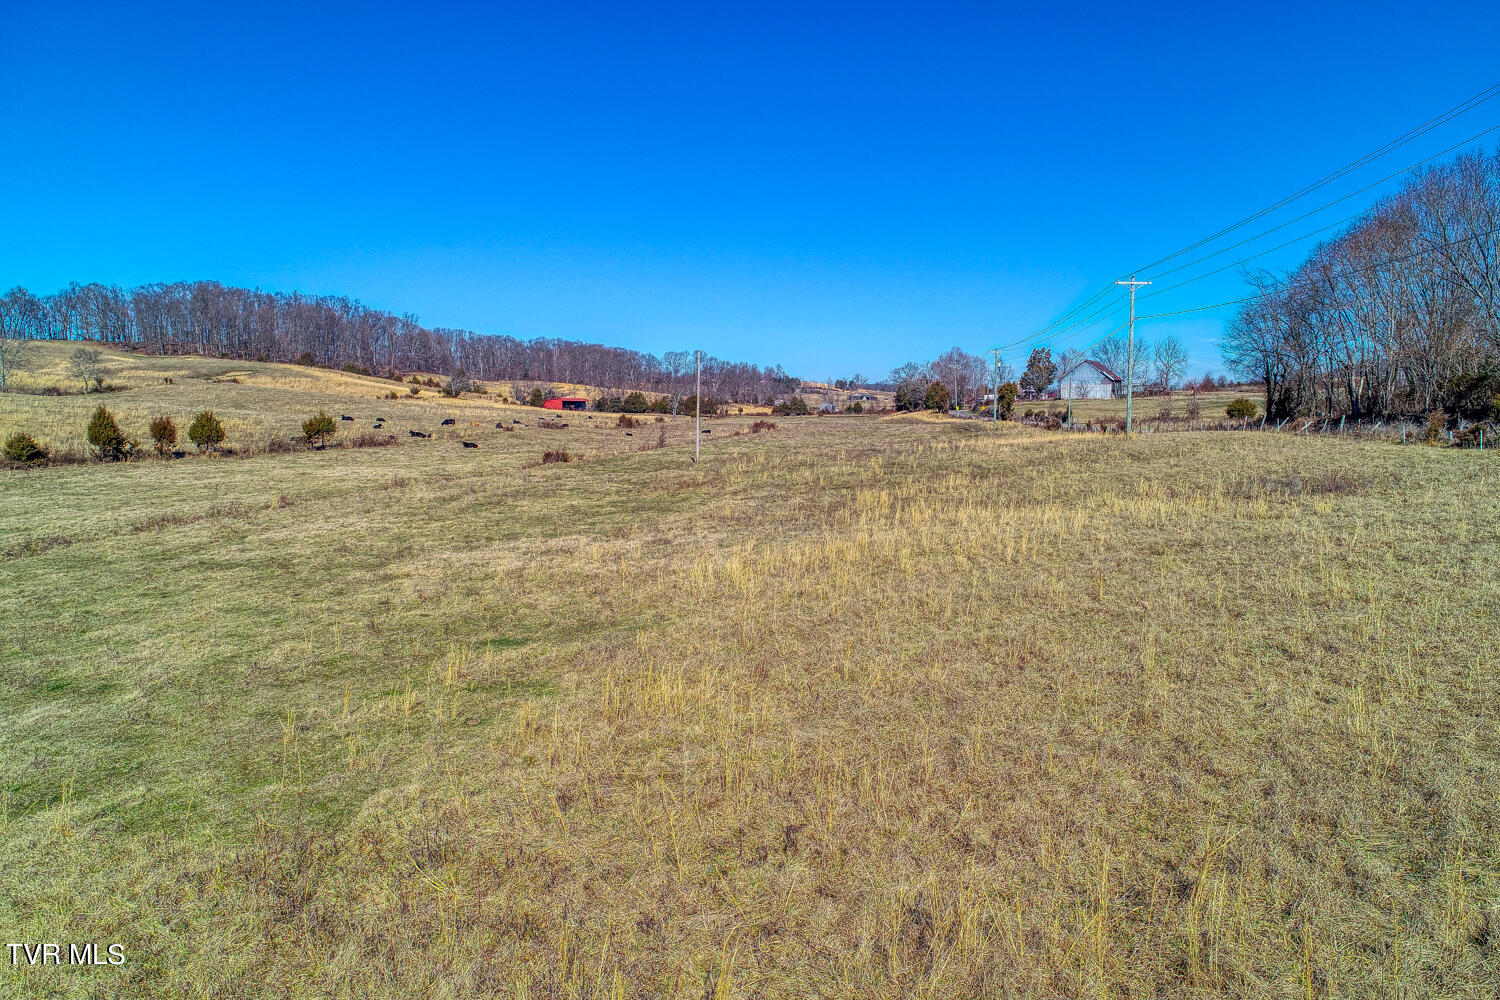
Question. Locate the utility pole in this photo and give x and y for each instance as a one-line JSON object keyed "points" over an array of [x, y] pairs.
{"points": [[995, 399], [1130, 350], [698, 405]]}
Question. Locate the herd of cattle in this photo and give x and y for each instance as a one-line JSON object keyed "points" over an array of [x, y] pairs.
{"points": [[450, 422]]}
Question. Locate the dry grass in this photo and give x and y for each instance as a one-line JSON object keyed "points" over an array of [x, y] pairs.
{"points": [[881, 707], [1210, 404], [269, 402]]}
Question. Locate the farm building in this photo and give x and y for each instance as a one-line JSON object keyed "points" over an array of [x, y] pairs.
{"points": [[1088, 380], [566, 403]]}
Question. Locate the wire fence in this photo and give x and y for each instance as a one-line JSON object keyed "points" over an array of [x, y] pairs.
{"points": [[1480, 435]]}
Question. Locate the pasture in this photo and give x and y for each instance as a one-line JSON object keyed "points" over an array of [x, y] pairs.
{"points": [[856, 707], [1210, 405]]}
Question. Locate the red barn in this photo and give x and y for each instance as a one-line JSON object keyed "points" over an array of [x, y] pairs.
{"points": [[566, 403]]}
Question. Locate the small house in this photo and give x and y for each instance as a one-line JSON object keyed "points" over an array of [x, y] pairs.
{"points": [[1088, 380], [566, 403]]}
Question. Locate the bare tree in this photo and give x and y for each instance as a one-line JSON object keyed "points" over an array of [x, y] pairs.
{"points": [[1170, 360], [87, 365], [15, 325], [13, 351], [1111, 354]]}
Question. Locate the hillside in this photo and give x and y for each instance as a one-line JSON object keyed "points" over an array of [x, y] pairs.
{"points": [[260, 402]]}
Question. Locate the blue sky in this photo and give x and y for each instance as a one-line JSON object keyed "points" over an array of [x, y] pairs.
{"points": [[835, 188]]}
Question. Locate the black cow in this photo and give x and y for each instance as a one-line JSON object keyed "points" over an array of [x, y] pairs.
{"points": [[468, 444], [499, 423], [449, 422], [378, 426], [629, 435], [708, 432], [515, 421], [418, 434]]}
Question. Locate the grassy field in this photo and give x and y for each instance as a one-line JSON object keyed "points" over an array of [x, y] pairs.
{"points": [[1210, 405], [263, 402], [859, 707]]}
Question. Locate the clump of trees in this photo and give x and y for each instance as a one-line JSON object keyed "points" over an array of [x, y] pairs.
{"points": [[688, 406], [635, 402], [1399, 315], [791, 406], [966, 377], [937, 397]]}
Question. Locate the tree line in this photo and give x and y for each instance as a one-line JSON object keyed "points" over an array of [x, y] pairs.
{"points": [[215, 320], [1398, 315], [954, 379], [958, 379]]}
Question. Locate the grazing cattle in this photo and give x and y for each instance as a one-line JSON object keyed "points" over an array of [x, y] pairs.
{"points": [[629, 435], [450, 422], [381, 419], [499, 423], [708, 432], [418, 434], [468, 444], [343, 417], [378, 426], [515, 421]]}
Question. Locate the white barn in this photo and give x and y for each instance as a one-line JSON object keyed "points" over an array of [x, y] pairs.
{"points": [[1088, 380]]}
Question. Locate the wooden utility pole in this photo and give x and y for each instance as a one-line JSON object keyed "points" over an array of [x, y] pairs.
{"points": [[995, 399], [1130, 350]]}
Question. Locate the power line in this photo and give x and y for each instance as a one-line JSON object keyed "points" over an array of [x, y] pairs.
{"points": [[1462, 108], [1084, 322], [1247, 259], [1066, 319], [1351, 194], [1339, 274]]}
